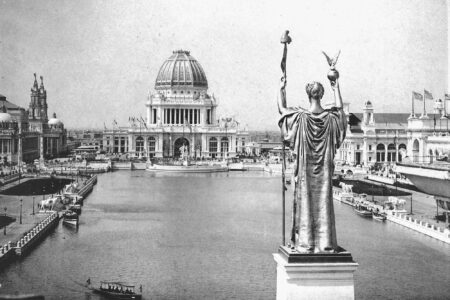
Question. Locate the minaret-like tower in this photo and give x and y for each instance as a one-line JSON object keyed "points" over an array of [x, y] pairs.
{"points": [[34, 111], [38, 104], [368, 113], [43, 101]]}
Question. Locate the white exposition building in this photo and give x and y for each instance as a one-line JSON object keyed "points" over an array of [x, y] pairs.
{"points": [[380, 137], [180, 112]]}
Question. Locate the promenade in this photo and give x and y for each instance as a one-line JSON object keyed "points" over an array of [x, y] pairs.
{"points": [[16, 230]]}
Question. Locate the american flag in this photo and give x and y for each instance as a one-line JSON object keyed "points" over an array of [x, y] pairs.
{"points": [[427, 94]]}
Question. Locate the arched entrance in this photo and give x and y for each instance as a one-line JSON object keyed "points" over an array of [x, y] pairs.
{"points": [[381, 151], [391, 153], [177, 147]]}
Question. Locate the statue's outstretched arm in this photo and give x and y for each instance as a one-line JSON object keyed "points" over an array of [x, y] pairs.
{"points": [[282, 97], [337, 94]]}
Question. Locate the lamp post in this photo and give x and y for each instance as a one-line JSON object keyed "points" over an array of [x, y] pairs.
{"points": [[21, 201], [411, 210], [33, 205], [4, 228]]}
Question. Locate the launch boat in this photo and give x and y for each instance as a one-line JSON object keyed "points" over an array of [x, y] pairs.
{"points": [[70, 218], [117, 290]]}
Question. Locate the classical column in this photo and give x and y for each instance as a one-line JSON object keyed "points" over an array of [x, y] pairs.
{"points": [[385, 152], [146, 146], [364, 158], [396, 152], [219, 146], [131, 143], [204, 145]]}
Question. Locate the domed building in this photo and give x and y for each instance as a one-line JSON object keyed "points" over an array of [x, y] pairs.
{"points": [[180, 112]]}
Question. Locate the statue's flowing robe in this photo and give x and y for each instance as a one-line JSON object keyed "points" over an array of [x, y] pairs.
{"points": [[314, 138]]}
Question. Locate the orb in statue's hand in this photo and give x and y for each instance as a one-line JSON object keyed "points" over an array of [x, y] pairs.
{"points": [[333, 75]]}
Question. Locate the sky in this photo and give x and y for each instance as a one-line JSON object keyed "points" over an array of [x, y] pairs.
{"points": [[100, 59]]}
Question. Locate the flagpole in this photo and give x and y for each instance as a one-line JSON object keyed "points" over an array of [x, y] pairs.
{"points": [[412, 105]]}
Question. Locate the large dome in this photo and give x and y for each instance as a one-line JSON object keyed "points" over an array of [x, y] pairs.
{"points": [[179, 71]]}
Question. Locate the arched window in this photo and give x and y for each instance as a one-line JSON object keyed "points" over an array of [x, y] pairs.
{"points": [[151, 146], [224, 145], [391, 153], [381, 152], [213, 147], [140, 144]]}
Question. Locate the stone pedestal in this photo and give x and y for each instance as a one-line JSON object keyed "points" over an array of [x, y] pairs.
{"points": [[314, 276]]}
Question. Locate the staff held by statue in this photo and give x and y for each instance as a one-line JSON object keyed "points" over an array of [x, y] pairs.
{"points": [[285, 40]]}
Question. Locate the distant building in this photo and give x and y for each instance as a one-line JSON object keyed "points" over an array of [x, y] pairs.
{"points": [[28, 135], [373, 137], [17, 142], [180, 112], [428, 135], [53, 136]]}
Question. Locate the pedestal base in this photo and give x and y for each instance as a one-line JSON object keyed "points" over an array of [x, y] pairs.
{"points": [[314, 276]]}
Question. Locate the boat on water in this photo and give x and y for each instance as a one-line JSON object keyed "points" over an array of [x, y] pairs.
{"points": [[379, 216], [70, 218], [117, 290], [76, 208], [363, 211]]}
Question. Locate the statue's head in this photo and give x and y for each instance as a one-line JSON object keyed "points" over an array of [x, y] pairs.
{"points": [[315, 90]]}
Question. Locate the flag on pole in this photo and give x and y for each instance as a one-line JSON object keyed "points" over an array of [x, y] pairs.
{"points": [[447, 97], [417, 96], [143, 122], [427, 95]]}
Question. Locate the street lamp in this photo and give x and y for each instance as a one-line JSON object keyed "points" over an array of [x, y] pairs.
{"points": [[4, 228], [21, 201]]}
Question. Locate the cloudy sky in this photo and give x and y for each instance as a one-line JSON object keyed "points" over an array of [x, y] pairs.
{"points": [[99, 59]]}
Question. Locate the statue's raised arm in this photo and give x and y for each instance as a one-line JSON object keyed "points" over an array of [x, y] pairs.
{"points": [[282, 106]]}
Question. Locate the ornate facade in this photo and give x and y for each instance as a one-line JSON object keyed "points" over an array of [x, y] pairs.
{"points": [[373, 137], [53, 136], [28, 135], [180, 112]]}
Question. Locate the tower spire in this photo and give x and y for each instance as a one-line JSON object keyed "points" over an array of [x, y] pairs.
{"points": [[42, 82], [35, 84]]}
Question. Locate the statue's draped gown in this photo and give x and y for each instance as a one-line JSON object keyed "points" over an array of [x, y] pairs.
{"points": [[314, 139]]}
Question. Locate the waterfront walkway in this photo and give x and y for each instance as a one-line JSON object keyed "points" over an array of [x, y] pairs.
{"points": [[15, 230]]}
